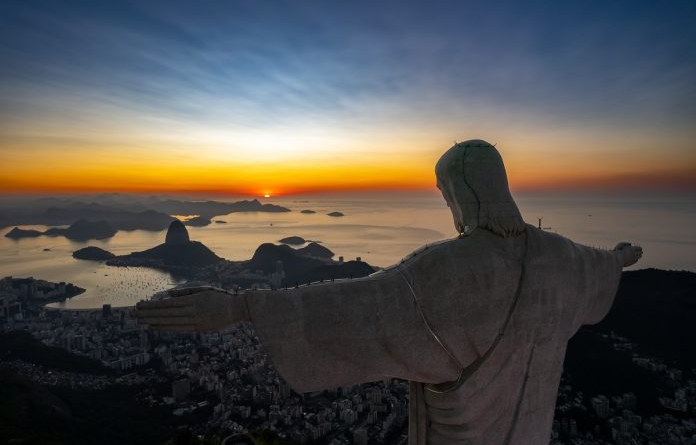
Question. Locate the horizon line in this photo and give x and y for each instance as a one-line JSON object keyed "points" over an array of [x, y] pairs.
{"points": [[662, 188]]}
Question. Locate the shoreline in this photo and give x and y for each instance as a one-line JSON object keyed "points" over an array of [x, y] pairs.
{"points": [[80, 291], [44, 305]]}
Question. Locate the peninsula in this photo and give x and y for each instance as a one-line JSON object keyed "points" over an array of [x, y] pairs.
{"points": [[123, 212], [80, 230]]}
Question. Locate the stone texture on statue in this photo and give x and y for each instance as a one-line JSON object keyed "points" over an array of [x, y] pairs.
{"points": [[177, 233], [478, 324], [504, 318]]}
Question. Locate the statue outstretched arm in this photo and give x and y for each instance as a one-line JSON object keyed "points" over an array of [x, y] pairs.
{"points": [[348, 332], [322, 335], [193, 309], [604, 269]]}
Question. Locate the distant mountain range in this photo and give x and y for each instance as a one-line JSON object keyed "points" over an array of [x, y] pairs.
{"points": [[80, 230], [122, 212], [209, 209], [57, 216]]}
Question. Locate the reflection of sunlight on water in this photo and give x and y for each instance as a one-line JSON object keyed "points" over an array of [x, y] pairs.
{"points": [[118, 286], [378, 230], [103, 284]]}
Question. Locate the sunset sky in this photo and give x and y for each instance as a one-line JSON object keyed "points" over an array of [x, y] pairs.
{"points": [[286, 97]]}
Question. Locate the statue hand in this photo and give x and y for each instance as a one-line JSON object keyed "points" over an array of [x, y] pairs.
{"points": [[629, 254], [204, 310]]}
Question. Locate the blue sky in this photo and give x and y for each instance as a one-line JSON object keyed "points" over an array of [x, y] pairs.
{"points": [[95, 71]]}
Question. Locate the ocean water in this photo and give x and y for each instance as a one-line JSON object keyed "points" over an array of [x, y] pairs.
{"points": [[381, 229]]}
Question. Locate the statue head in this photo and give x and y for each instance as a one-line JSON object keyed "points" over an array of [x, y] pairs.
{"points": [[472, 179]]}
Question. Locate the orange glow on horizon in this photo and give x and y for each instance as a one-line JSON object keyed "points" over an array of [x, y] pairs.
{"points": [[379, 167], [320, 183]]}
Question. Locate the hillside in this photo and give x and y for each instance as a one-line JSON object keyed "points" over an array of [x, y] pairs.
{"points": [[657, 310]]}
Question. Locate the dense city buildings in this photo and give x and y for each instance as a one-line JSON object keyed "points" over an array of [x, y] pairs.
{"points": [[222, 383], [224, 374], [16, 293]]}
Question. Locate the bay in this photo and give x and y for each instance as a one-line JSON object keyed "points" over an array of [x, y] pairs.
{"points": [[378, 228]]}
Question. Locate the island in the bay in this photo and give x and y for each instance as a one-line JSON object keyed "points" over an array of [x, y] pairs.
{"points": [[272, 265], [292, 240], [92, 253]]}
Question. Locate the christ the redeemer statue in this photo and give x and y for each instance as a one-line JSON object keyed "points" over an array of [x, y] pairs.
{"points": [[478, 324]]}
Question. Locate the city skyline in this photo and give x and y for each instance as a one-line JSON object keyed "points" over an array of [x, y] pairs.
{"points": [[302, 97]]}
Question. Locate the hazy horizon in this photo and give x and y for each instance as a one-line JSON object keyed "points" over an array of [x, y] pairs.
{"points": [[381, 229], [680, 194]]}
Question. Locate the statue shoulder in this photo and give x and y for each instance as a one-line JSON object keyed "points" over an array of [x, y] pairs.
{"points": [[482, 250], [411, 258], [542, 241]]}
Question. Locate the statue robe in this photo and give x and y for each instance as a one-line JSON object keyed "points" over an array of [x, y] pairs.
{"points": [[479, 325]]}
